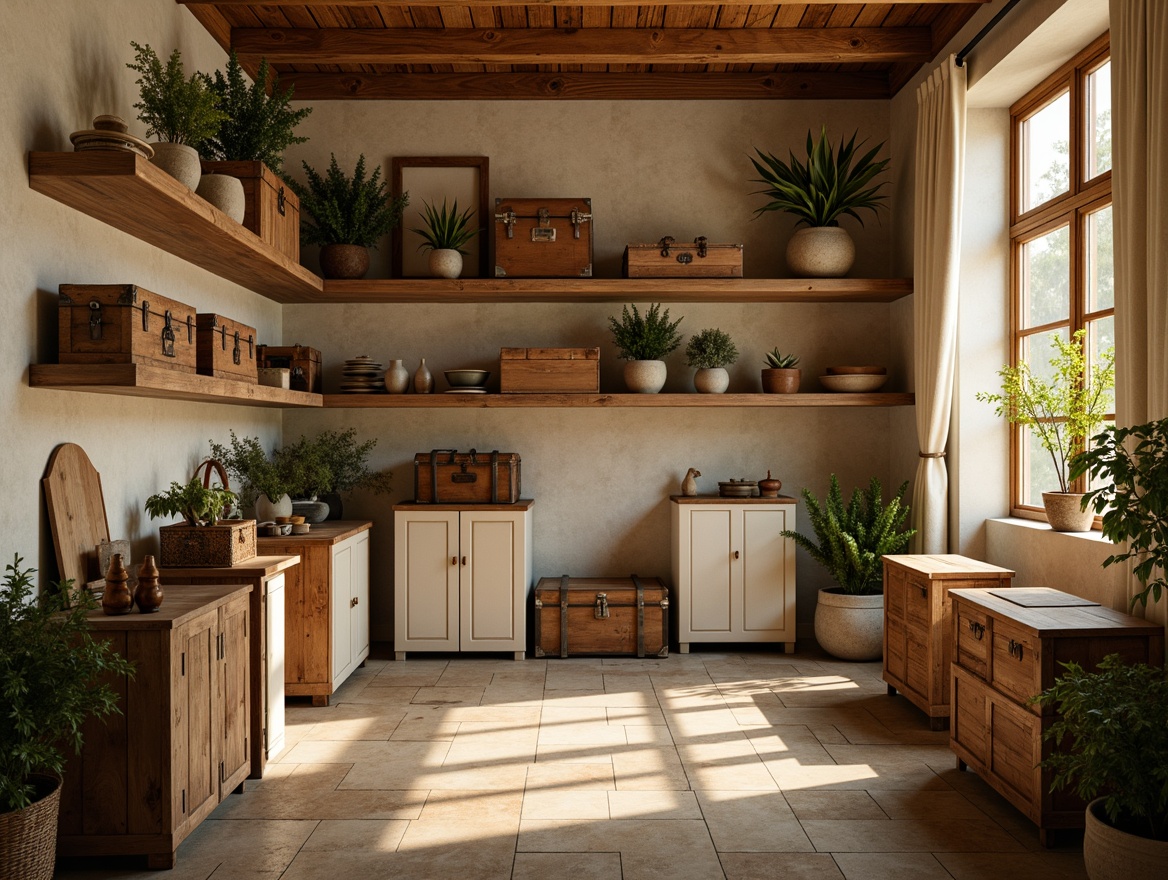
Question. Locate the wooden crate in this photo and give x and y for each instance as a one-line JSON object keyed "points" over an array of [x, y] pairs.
{"points": [[443, 476], [124, 324], [601, 616], [228, 543], [271, 208], [226, 349], [670, 259], [549, 370], [543, 238], [303, 362]]}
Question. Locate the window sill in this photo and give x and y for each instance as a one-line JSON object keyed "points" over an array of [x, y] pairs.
{"points": [[1038, 526]]}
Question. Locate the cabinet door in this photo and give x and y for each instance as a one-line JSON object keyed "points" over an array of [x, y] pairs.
{"points": [[359, 619], [492, 586], [274, 669], [714, 537], [425, 593], [234, 682], [342, 609], [768, 576], [197, 722]]}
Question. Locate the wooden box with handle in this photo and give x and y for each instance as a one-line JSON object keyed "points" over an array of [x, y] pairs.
{"points": [[601, 616], [226, 349], [124, 324], [669, 259], [444, 476], [543, 238]]}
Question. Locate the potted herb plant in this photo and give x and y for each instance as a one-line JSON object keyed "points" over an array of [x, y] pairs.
{"points": [[643, 340], [346, 215], [195, 503], [831, 183], [178, 110], [53, 677], [850, 541], [780, 375], [1062, 411], [347, 462], [710, 352], [446, 233], [265, 482]]}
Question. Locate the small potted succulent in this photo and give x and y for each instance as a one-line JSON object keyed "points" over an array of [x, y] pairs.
{"points": [[710, 352], [780, 375], [446, 233], [643, 340]]}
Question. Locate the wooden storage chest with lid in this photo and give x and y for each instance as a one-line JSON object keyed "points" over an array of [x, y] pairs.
{"points": [[619, 616], [124, 324], [303, 362], [445, 476], [226, 349], [670, 259], [543, 238], [549, 370], [271, 209]]}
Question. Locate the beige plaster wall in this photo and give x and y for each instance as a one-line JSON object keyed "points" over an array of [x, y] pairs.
{"points": [[60, 68]]}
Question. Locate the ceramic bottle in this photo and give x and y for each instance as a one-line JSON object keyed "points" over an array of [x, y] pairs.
{"points": [[397, 378], [148, 595], [423, 379]]}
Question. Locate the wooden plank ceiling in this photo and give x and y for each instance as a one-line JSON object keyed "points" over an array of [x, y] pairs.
{"points": [[511, 49]]}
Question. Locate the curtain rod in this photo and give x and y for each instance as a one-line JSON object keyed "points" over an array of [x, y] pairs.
{"points": [[993, 23]]}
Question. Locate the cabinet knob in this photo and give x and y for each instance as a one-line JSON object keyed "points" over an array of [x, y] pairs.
{"points": [[977, 629], [737, 554], [464, 560], [454, 560]]}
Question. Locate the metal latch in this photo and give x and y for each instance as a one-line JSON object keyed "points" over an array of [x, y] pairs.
{"points": [[94, 319], [543, 230], [701, 242], [280, 200], [235, 351], [167, 333], [508, 220], [578, 218], [601, 606], [665, 244]]}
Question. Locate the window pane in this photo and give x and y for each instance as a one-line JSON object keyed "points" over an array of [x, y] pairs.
{"points": [[1045, 145], [1100, 337], [1046, 278], [1100, 261], [1099, 121], [1038, 350], [1099, 482], [1038, 473]]}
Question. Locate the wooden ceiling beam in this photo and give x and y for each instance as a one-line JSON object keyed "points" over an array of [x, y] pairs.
{"points": [[582, 46], [490, 4], [587, 86]]}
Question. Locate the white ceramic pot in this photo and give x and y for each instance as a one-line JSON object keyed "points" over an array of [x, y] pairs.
{"points": [[1111, 854], [179, 161], [225, 193], [266, 510], [711, 380], [645, 377], [850, 627], [1064, 512], [445, 263], [821, 252]]}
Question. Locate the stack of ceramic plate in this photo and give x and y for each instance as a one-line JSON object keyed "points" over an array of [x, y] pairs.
{"points": [[110, 133], [738, 488], [362, 375]]}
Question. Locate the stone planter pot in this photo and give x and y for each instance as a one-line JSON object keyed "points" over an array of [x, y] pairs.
{"points": [[821, 252], [266, 510], [781, 381], [711, 380], [645, 377], [850, 627], [1064, 514], [344, 261], [225, 193], [311, 509], [179, 161], [1111, 854], [445, 263], [28, 837]]}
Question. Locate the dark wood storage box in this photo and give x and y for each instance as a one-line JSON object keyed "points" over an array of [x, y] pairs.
{"points": [[669, 259], [549, 370], [226, 349], [124, 324], [228, 543], [543, 238], [601, 616], [303, 362], [443, 476], [271, 208]]}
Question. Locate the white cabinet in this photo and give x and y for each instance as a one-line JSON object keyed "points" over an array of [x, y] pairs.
{"points": [[733, 571], [462, 575], [350, 598], [273, 671]]}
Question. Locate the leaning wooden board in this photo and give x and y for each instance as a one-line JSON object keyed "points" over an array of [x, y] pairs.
{"points": [[603, 616], [76, 512]]}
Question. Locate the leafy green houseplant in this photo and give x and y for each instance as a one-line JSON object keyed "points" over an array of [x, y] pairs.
{"points": [[195, 503], [780, 373], [643, 340], [445, 233], [775, 360], [710, 352], [258, 474], [175, 108]]}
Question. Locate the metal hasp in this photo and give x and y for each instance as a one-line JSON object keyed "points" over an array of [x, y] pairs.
{"points": [[94, 320], [601, 606], [578, 218], [508, 220]]}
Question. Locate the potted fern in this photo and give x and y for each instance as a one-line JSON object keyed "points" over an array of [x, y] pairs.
{"points": [[830, 184], [710, 352], [446, 233], [780, 375], [643, 340], [850, 541]]}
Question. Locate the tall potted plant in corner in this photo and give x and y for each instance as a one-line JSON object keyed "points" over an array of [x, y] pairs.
{"points": [[53, 676], [445, 235], [850, 542], [710, 352], [831, 183], [346, 215], [1062, 411], [643, 340]]}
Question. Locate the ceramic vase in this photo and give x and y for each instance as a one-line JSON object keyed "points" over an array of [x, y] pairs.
{"points": [[397, 378], [344, 261], [266, 510], [225, 193], [821, 252], [148, 595], [445, 263], [711, 380], [179, 161], [116, 598], [645, 377], [423, 379]]}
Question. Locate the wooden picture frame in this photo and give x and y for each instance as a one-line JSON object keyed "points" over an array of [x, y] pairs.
{"points": [[465, 178]]}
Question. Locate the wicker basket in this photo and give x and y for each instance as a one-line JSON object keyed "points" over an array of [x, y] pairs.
{"points": [[28, 837]]}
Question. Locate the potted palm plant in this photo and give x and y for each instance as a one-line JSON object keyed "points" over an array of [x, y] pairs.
{"points": [[53, 677], [643, 340], [446, 233], [830, 184], [850, 542], [780, 375], [710, 352]]}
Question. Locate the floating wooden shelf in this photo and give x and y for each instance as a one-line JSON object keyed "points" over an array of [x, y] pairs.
{"points": [[488, 401], [135, 380]]}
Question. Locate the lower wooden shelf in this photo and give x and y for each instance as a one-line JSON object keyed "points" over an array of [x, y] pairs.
{"points": [[488, 401]]}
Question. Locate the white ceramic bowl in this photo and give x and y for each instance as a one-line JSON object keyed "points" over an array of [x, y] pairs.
{"points": [[854, 382], [467, 378]]}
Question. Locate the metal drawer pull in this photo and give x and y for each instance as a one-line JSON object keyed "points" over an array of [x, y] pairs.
{"points": [[977, 629], [1015, 649]]}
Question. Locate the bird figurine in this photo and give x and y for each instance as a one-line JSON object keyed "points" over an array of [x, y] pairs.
{"points": [[689, 485]]}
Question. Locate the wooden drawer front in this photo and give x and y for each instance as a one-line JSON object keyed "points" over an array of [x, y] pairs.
{"points": [[973, 639], [894, 649], [1014, 662], [917, 663], [894, 592], [967, 722], [918, 602], [1015, 741]]}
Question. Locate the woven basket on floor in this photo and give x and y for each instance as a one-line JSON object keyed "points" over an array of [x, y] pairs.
{"points": [[28, 837]]}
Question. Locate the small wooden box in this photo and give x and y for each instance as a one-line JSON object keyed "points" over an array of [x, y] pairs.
{"points": [[226, 348], [601, 616], [304, 363], [443, 476], [271, 208], [543, 238], [668, 259], [549, 370], [228, 543], [124, 324]]}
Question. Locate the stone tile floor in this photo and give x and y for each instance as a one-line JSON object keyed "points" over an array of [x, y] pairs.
{"points": [[747, 765]]}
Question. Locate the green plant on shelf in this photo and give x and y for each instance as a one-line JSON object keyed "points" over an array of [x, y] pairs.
{"points": [[647, 337], [175, 108], [710, 349], [339, 209], [775, 360], [446, 229], [195, 503]]}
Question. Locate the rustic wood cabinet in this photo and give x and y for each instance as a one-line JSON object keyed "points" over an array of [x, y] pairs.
{"points": [[148, 776], [733, 571], [326, 606], [462, 575], [1010, 649], [918, 637]]}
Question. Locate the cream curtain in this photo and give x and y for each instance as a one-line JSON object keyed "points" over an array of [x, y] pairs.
{"points": [[940, 172], [1139, 132]]}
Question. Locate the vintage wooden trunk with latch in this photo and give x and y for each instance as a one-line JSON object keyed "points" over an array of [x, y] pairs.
{"points": [[271, 209], [668, 259], [543, 238], [444, 476], [303, 361], [226, 349], [601, 616], [124, 324]]}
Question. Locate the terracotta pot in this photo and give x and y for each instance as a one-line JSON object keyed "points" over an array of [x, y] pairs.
{"points": [[344, 261], [781, 381], [179, 161], [225, 193], [445, 263], [821, 252], [711, 380], [28, 837], [645, 377], [1064, 513], [1111, 854], [850, 627]]}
